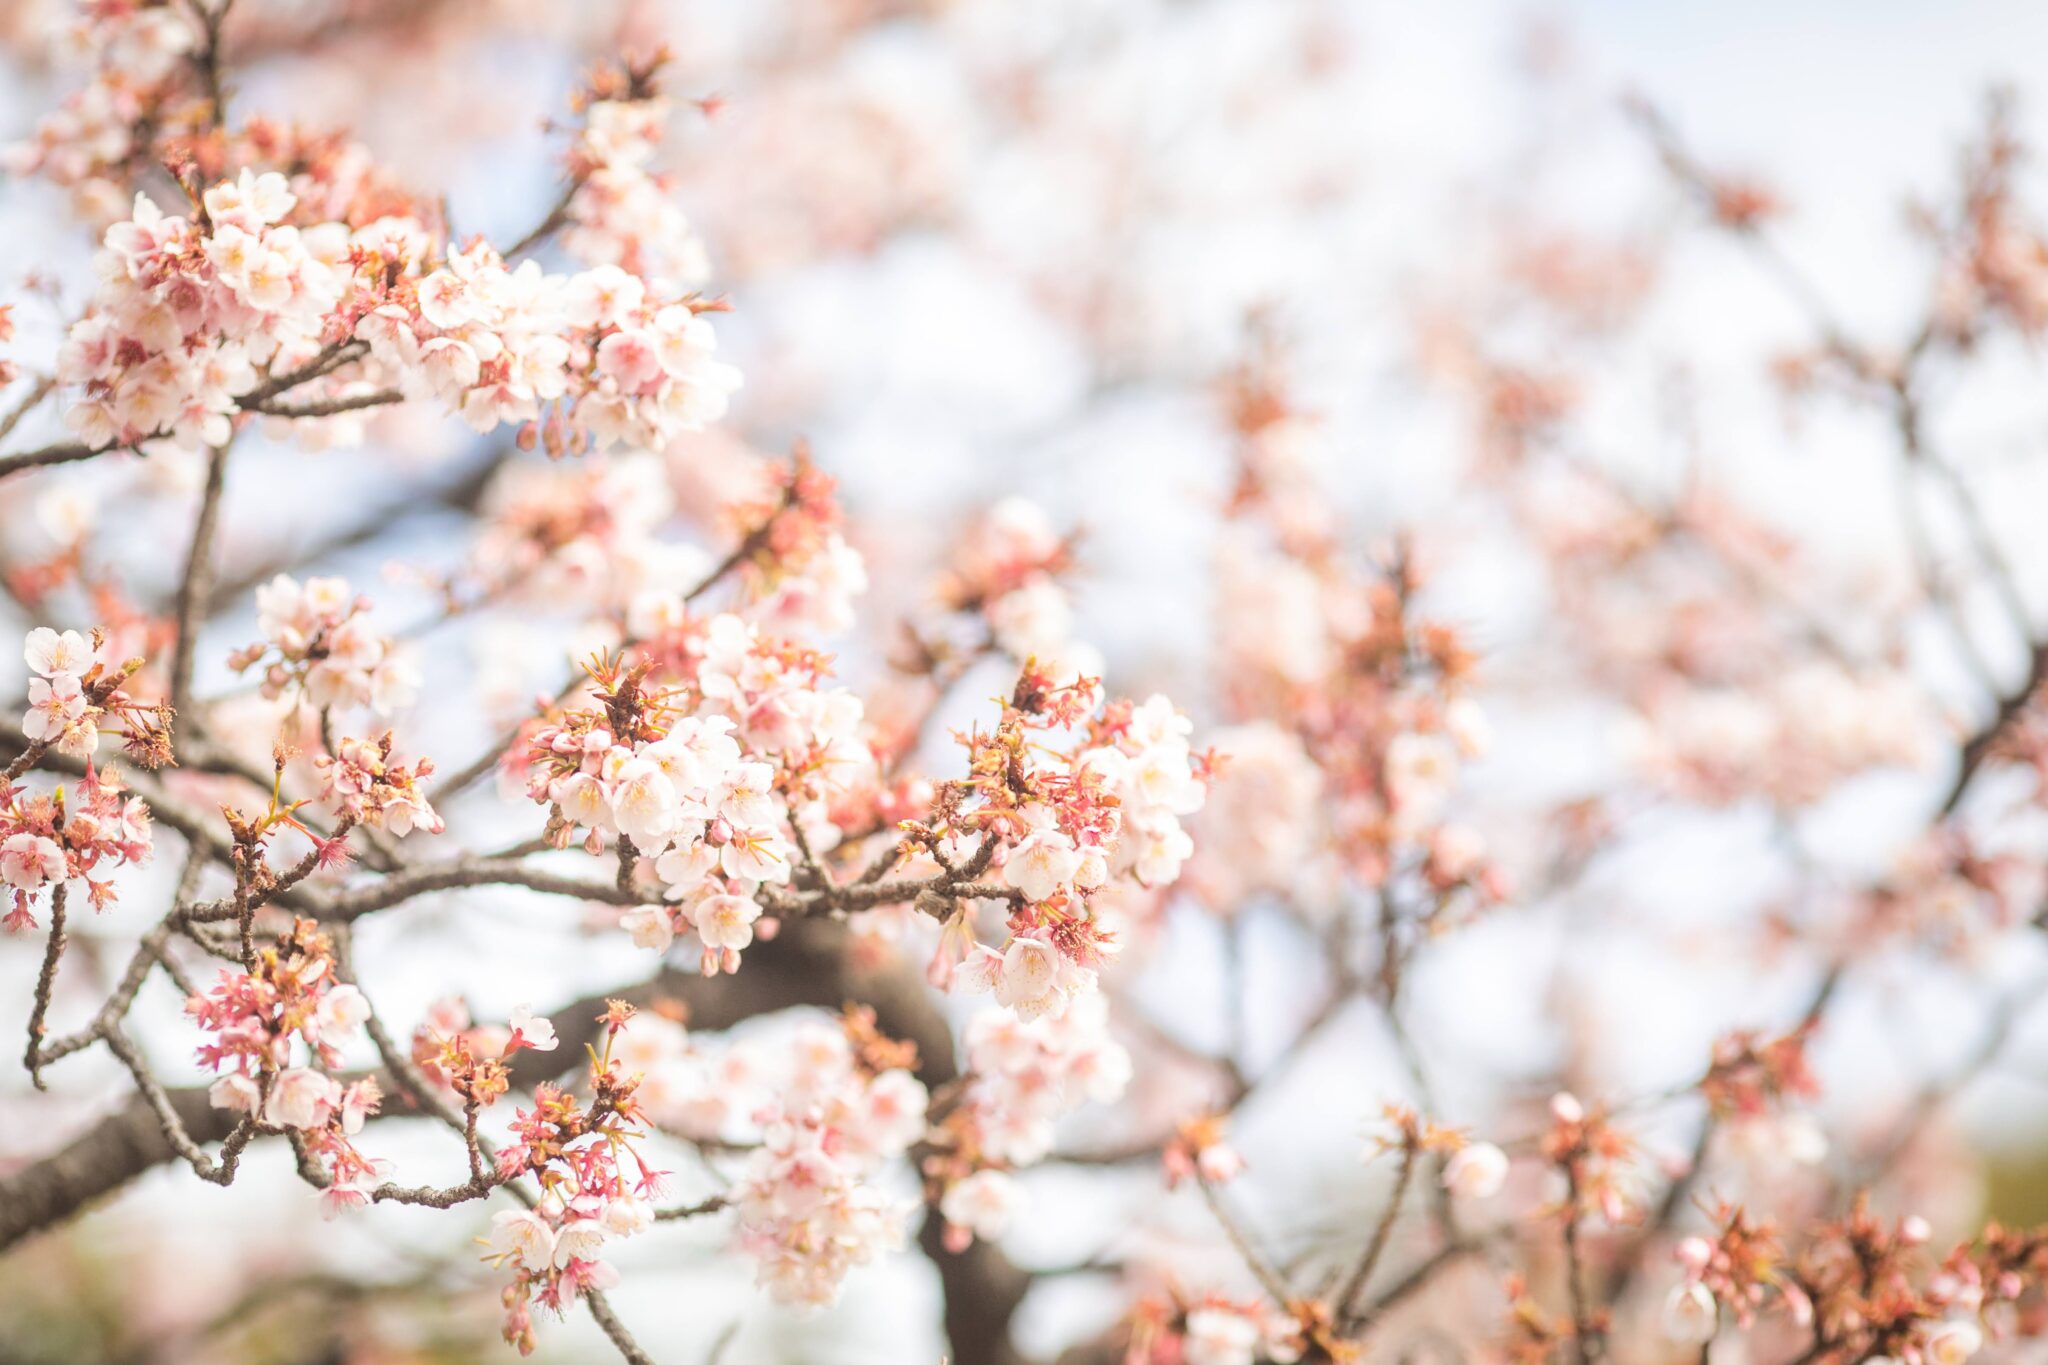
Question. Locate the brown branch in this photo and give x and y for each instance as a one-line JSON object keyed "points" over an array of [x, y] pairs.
{"points": [[196, 584], [37, 393], [46, 981], [326, 407], [1351, 1296]]}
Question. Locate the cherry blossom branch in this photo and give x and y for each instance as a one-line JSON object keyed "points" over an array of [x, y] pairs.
{"points": [[327, 407], [1240, 1241], [12, 418], [749, 545], [329, 359], [46, 981], [1349, 1299], [1585, 1339], [196, 583]]}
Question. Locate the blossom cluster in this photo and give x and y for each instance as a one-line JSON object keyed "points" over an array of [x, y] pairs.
{"points": [[1351, 700], [1212, 1330], [75, 688], [594, 1183], [197, 313], [703, 777], [280, 1027], [190, 308], [808, 1206], [88, 831], [361, 782], [803, 577], [1857, 1288], [318, 644], [1006, 571], [1069, 820], [576, 361], [1024, 1076], [140, 74], [620, 212]]}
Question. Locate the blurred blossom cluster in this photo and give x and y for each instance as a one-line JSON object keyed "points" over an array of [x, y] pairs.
{"points": [[1086, 682]]}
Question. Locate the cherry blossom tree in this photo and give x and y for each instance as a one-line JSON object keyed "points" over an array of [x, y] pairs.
{"points": [[900, 908]]}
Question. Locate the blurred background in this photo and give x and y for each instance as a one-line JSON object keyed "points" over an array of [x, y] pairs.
{"points": [[977, 248]]}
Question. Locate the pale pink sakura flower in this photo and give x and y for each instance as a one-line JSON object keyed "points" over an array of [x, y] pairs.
{"points": [[341, 1012], [979, 970], [235, 1091], [263, 199], [582, 800], [281, 613], [232, 251], [684, 867], [1094, 868], [580, 1240], [1219, 1336], [492, 405], [447, 301], [342, 1197], [394, 684], [1162, 775], [1162, 849], [602, 297], [352, 644], [524, 1236], [1034, 978], [54, 704], [1476, 1171], [630, 359], [726, 921], [402, 814], [746, 796], [625, 1216], [755, 855], [450, 365], [358, 1101], [981, 1206], [327, 597], [447, 1016], [143, 232], [643, 802], [51, 654], [650, 927], [894, 1112], [1691, 1316], [93, 421], [685, 341], [528, 1031], [1102, 1073], [1034, 619], [1158, 721], [1953, 1342], [28, 860], [1043, 864], [269, 282], [303, 1098]]}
